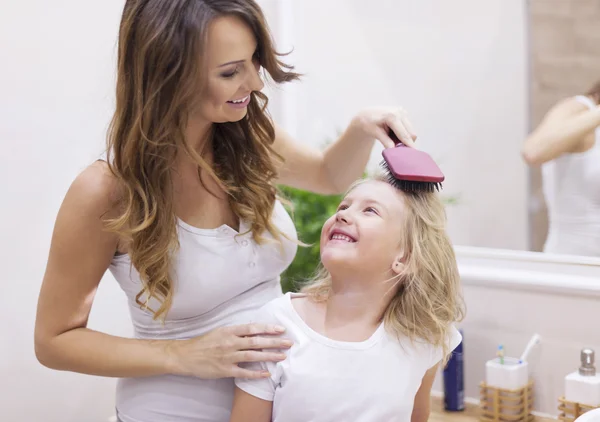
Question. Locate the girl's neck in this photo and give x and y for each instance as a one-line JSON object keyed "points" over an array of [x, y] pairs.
{"points": [[357, 302]]}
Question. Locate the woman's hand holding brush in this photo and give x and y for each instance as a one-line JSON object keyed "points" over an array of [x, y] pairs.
{"points": [[345, 160], [376, 124]]}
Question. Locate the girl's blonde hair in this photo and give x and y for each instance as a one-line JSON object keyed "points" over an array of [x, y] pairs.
{"points": [[428, 299]]}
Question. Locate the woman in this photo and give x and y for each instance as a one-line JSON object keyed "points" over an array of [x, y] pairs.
{"points": [[567, 146], [184, 212]]}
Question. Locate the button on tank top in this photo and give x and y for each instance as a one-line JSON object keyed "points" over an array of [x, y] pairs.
{"points": [[220, 278]]}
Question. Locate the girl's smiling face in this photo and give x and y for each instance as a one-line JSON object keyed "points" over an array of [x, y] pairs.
{"points": [[363, 236]]}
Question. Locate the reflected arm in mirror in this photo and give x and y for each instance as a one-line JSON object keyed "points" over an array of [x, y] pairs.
{"points": [[564, 129]]}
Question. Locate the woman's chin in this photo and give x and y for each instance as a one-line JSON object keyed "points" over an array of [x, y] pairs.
{"points": [[236, 115]]}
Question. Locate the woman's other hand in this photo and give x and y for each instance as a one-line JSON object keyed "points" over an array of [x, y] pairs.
{"points": [[218, 353]]}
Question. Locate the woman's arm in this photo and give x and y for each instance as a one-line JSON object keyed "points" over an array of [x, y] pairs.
{"points": [[333, 170], [80, 253], [247, 408], [422, 404], [563, 130]]}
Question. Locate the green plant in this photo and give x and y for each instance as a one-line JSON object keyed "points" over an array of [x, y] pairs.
{"points": [[309, 211]]}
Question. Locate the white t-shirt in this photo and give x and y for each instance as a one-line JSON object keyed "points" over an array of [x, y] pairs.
{"points": [[324, 380]]}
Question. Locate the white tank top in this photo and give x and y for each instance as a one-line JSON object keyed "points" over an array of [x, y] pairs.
{"points": [[571, 185], [220, 278]]}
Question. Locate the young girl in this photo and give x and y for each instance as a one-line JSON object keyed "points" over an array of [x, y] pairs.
{"points": [[371, 331]]}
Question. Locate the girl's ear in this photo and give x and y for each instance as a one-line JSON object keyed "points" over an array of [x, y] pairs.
{"points": [[398, 265]]}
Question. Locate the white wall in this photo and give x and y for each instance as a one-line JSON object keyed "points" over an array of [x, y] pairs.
{"points": [[458, 67], [509, 297], [56, 81]]}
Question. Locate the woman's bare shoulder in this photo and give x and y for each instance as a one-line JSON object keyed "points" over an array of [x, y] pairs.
{"points": [[97, 187]]}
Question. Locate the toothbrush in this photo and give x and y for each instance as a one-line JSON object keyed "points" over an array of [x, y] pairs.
{"points": [[500, 354], [532, 343]]}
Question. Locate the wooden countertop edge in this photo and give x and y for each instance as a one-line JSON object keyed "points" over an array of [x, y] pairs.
{"points": [[471, 413]]}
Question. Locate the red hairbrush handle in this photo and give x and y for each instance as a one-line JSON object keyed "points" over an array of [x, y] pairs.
{"points": [[394, 138]]}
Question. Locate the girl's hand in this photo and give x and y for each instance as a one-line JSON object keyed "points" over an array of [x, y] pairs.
{"points": [[218, 353], [375, 123]]}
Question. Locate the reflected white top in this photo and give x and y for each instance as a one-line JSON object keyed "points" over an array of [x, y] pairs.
{"points": [[571, 185]]}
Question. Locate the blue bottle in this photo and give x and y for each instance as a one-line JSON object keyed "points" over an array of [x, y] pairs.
{"points": [[454, 388]]}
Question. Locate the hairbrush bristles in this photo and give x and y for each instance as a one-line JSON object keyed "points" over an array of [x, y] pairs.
{"points": [[411, 170], [410, 185]]}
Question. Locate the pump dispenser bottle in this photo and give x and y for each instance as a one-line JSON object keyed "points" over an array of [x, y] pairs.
{"points": [[583, 385]]}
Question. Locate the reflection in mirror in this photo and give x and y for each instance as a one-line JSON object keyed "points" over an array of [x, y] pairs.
{"points": [[563, 148]]}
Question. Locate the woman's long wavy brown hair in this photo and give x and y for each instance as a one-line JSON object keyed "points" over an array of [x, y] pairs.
{"points": [[159, 66], [428, 299]]}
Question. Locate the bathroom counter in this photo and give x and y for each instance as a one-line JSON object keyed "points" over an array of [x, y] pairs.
{"points": [[470, 414], [438, 414]]}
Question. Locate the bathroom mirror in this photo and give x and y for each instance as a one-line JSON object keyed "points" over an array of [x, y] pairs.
{"points": [[474, 85]]}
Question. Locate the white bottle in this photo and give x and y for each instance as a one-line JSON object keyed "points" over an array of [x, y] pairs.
{"points": [[583, 386]]}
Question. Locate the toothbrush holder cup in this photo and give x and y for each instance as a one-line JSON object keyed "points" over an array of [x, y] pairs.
{"points": [[510, 375]]}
